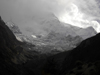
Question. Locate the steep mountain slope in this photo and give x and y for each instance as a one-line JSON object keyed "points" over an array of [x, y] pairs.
{"points": [[12, 55], [13, 28], [61, 42], [83, 60], [50, 23], [54, 39], [82, 32], [10, 51], [44, 23], [16, 31], [15, 59], [87, 32]]}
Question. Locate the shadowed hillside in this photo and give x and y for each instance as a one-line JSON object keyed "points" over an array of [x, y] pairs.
{"points": [[83, 60], [12, 55], [15, 57]]}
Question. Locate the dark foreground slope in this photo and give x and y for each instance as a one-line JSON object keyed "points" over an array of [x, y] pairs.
{"points": [[87, 54], [83, 60], [9, 51], [13, 56]]}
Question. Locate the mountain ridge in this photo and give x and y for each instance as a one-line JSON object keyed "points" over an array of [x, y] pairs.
{"points": [[76, 61]]}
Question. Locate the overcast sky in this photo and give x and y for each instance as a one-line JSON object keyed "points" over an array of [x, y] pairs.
{"points": [[82, 13]]}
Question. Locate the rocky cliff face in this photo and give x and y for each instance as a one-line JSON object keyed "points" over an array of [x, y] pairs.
{"points": [[14, 58], [14, 28], [12, 54], [60, 40], [7, 49], [86, 33]]}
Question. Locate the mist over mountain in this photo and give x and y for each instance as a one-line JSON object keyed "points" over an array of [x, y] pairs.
{"points": [[16, 60], [51, 33], [46, 23], [52, 38], [49, 37]]}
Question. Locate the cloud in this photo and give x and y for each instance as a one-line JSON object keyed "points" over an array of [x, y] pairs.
{"points": [[31, 7], [84, 13], [79, 12]]}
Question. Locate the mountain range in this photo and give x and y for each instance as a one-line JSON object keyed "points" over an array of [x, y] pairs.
{"points": [[51, 34], [16, 60], [44, 24]]}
